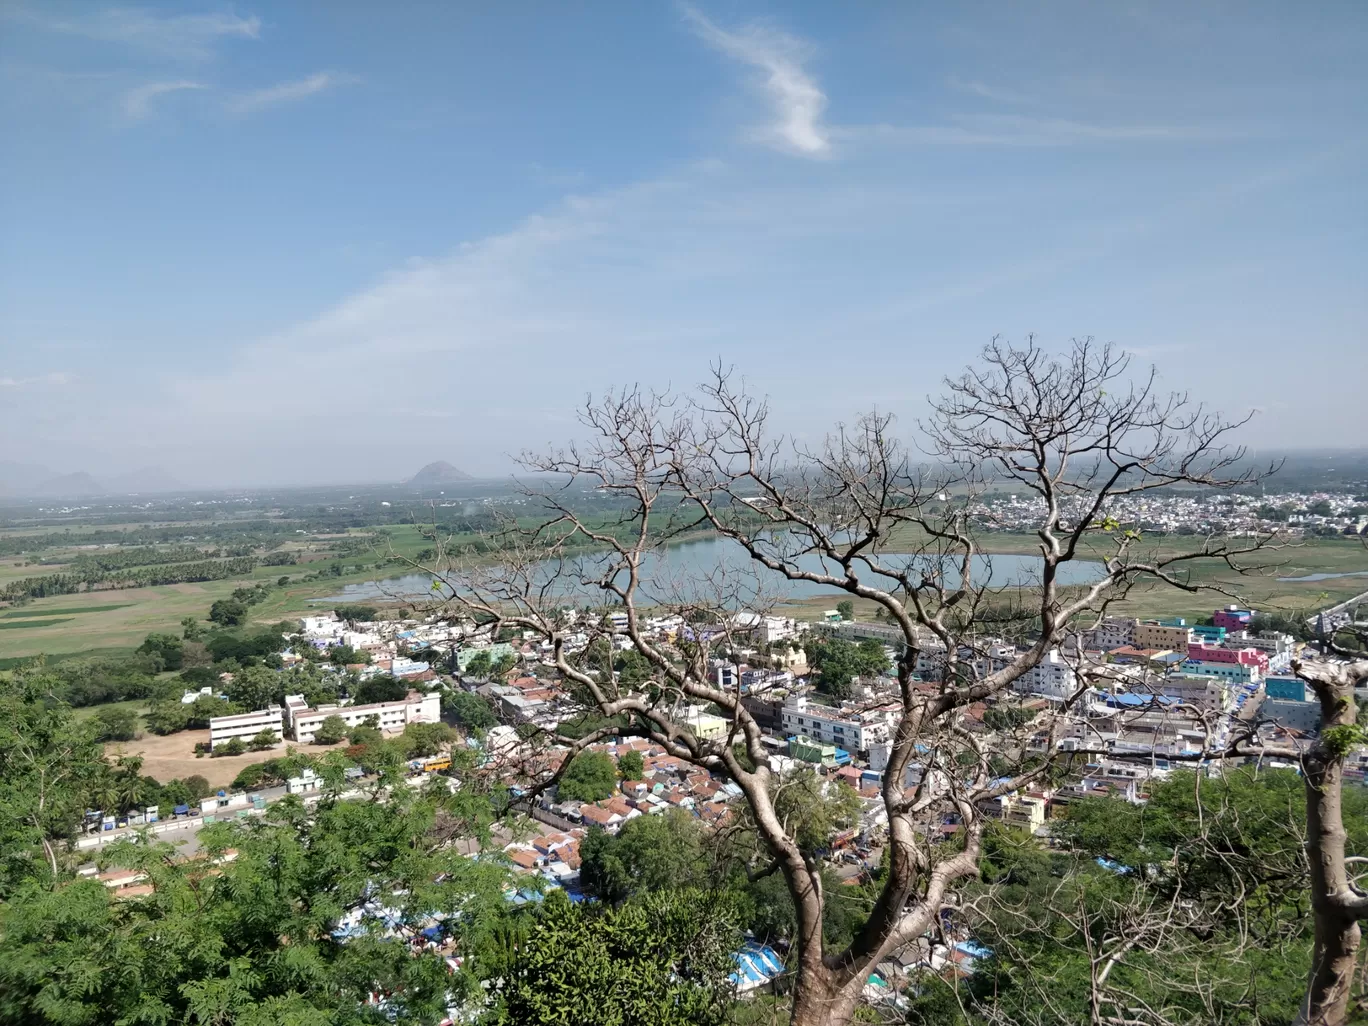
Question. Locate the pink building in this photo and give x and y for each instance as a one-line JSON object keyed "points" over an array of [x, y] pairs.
{"points": [[1215, 654], [1232, 618]]}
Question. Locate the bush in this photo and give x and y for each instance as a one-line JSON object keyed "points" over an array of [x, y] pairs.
{"points": [[264, 740], [232, 747], [117, 724], [331, 730], [167, 717], [228, 612]]}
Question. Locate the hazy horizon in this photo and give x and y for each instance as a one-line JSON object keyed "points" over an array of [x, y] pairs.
{"points": [[279, 244]]}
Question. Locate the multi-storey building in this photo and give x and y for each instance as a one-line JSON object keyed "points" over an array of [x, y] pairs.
{"points": [[1303, 717], [1113, 632], [1287, 689], [1233, 618], [304, 722], [853, 730], [1235, 673], [245, 726], [1052, 677], [1165, 635], [1245, 656], [1204, 692]]}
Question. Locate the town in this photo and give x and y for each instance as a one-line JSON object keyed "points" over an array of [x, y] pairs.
{"points": [[1138, 699]]}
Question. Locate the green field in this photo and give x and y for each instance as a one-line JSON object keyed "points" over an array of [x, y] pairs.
{"points": [[24, 613], [73, 624]]}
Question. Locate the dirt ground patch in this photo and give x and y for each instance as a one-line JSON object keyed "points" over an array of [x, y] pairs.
{"points": [[173, 756]]}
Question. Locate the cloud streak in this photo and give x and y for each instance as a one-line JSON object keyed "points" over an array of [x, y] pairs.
{"points": [[797, 100], [289, 92], [55, 378], [183, 36], [137, 103]]}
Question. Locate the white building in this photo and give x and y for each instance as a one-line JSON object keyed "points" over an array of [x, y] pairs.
{"points": [[245, 726], [391, 717], [851, 730], [1052, 677], [1112, 632], [1204, 692]]}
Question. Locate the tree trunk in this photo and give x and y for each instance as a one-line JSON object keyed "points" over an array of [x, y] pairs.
{"points": [[1336, 903], [819, 999], [1337, 931]]}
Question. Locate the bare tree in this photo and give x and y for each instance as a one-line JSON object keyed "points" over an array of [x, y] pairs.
{"points": [[858, 516]]}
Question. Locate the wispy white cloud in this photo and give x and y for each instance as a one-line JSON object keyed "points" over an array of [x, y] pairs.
{"points": [[797, 99], [987, 92], [137, 103], [185, 36], [54, 378], [288, 92]]}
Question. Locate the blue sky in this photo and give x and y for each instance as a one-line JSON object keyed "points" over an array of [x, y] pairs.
{"points": [[331, 242]]}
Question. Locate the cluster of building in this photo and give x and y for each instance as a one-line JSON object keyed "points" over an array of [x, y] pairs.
{"points": [[1293, 513], [296, 721]]}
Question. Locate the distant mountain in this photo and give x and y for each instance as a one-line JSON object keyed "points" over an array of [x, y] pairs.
{"points": [[69, 486], [22, 478], [146, 481], [435, 475]]}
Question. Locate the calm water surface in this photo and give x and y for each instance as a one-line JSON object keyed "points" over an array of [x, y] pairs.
{"points": [[700, 568]]}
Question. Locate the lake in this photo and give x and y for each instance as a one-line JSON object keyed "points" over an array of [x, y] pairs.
{"points": [[714, 568]]}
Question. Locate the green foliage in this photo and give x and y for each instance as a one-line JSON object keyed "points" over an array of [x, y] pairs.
{"points": [[661, 961], [366, 734], [167, 647], [345, 655], [1225, 853], [206, 707], [116, 724], [264, 740], [233, 746], [93, 681], [838, 662], [1340, 741], [356, 613], [479, 665], [591, 777], [380, 688], [332, 730], [631, 765], [846, 608], [167, 717], [49, 764], [228, 612], [649, 853], [470, 710], [251, 943], [255, 687], [425, 739], [633, 669]]}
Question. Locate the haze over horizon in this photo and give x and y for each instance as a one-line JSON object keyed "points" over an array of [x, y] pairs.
{"points": [[268, 244]]}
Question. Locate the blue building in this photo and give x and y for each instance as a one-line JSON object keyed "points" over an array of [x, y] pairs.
{"points": [[1287, 688]]}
